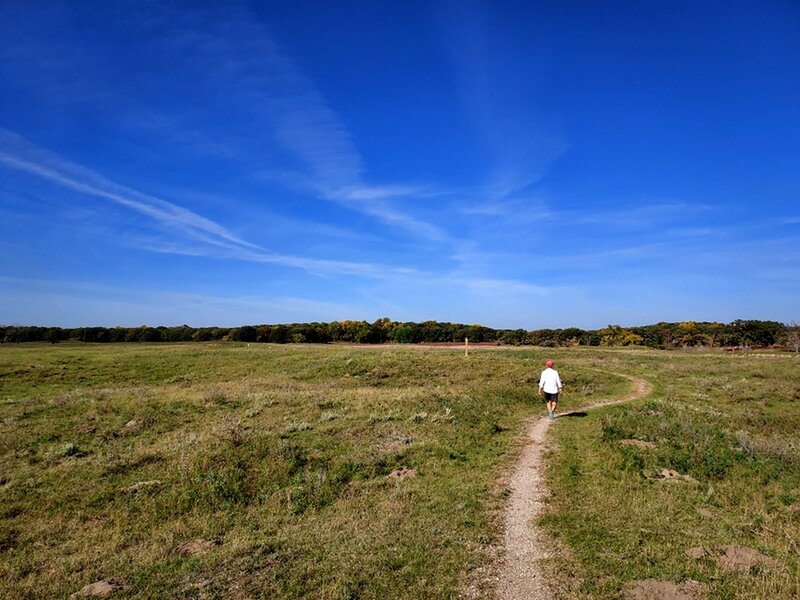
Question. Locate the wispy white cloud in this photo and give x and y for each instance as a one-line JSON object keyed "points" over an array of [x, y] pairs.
{"points": [[517, 210], [783, 221], [365, 193], [502, 287], [376, 201], [205, 236], [694, 232], [238, 54], [500, 100], [17, 153], [229, 55], [260, 111], [640, 215]]}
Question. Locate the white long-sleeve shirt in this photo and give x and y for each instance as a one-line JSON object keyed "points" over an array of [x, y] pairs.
{"points": [[549, 381]]}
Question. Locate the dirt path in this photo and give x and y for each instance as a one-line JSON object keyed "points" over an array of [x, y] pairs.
{"points": [[521, 576]]}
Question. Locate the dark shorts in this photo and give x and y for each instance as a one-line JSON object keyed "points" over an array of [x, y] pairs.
{"points": [[550, 397]]}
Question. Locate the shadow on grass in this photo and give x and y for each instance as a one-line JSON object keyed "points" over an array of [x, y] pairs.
{"points": [[573, 413]]}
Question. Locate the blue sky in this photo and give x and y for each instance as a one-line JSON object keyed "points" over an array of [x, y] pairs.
{"points": [[514, 164]]}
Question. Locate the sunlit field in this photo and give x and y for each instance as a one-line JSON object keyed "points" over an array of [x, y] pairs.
{"points": [[247, 471], [699, 485]]}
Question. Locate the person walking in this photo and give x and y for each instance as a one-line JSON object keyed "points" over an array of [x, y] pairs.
{"points": [[550, 387]]}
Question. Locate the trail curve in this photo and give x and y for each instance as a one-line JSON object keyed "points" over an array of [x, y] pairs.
{"points": [[521, 576]]}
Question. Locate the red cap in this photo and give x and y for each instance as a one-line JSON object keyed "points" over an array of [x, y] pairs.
{"points": [[549, 363]]}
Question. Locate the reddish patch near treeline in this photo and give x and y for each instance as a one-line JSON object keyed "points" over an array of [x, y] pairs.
{"points": [[457, 344]]}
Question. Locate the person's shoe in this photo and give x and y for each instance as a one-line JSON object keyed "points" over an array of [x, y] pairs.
{"points": [[551, 414]]}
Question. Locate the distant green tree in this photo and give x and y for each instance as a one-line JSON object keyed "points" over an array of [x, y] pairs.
{"points": [[147, 334], [756, 333], [117, 334], [202, 335], [246, 333], [513, 337], [590, 338], [432, 331], [365, 334], [183, 333], [406, 333], [54, 335], [279, 334], [615, 335], [12, 335], [479, 333], [570, 336], [547, 338], [382, 330], [93, 334]]}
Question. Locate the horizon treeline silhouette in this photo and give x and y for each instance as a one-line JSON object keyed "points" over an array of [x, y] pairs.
{"points": [[684, 334]]}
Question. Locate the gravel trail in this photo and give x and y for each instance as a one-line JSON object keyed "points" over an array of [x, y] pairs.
{"points": [[521, 576]]}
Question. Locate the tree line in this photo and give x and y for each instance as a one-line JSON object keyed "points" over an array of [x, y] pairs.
{"points": [[689, 334]]}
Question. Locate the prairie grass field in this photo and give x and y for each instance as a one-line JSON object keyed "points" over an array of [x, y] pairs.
{"points": [[377, 472], [728, 426]]}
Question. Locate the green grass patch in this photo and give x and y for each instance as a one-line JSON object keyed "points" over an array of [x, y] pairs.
{"points": [[725, 428], [112, 456]]}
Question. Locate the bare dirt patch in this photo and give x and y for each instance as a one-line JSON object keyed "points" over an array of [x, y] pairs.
{"points": [[140, 485], [641, 444], [101, 588], [653, 589], [192, 547], [129, 427], [401, 474], [396, 443], [733, 557], [668, 475]]}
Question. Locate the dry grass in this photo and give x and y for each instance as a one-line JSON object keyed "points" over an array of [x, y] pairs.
{"points": [[280, 455], [113, 456], [728, 426]]}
